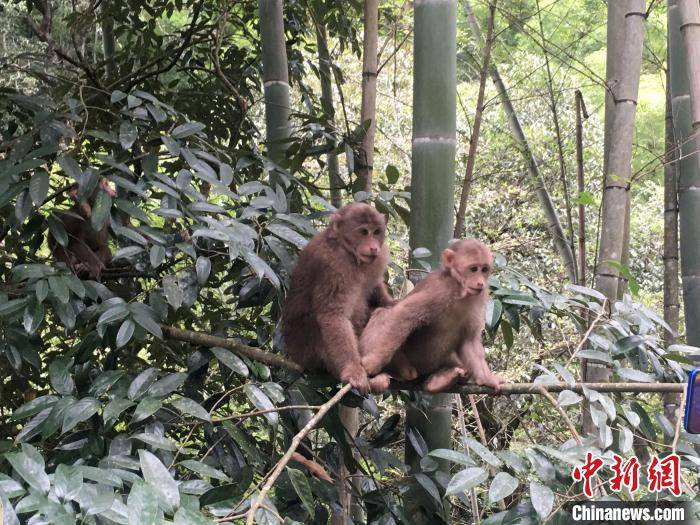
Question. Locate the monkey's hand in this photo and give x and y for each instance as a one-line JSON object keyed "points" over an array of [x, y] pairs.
{"points": [[357, 377], [379, 383]]}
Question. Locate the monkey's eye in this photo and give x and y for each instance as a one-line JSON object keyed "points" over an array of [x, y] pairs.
{"points": [[485, 269], [364, 232], [473, 269], [377, 232]]}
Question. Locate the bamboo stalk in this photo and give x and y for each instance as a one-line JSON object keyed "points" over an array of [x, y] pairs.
{"points": [[275, 80], [324, 69], [685, 86], [368, 109], [617, 176]]}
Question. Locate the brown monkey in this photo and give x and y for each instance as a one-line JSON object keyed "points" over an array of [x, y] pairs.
{"points": [[87, 252], [436, 329], [337, 281]]}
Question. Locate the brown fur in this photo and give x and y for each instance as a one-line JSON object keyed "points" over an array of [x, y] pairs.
{"points": [[436, 329], [87, 252], [337, 281]]}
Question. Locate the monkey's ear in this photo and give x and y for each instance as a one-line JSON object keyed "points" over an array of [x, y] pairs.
{"points": [[448, 257], [335, 223]]}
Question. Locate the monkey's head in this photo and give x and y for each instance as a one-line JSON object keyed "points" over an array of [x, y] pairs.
{"points": [[469, 262], [359, 229]]}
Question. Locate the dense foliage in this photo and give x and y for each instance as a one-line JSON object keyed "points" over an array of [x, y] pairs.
{"points": [[107, 419]]}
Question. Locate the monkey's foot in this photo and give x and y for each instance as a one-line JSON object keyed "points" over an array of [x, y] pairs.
{"points": [[379, 383], [490, 379], [444, 379]]}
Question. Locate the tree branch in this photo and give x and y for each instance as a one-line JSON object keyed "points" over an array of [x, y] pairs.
{"points": [[296, 441]]}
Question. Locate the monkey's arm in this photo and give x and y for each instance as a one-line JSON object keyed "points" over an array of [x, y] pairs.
{"points": [[473, 358], [341, 356], [389, 328], [333, 307], [381, 296]]}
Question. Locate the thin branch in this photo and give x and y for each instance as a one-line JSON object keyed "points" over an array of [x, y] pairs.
{"points": [[266, 411], [562, 413], [199, 338], [296, 441], [478, 114], [507, 389]]}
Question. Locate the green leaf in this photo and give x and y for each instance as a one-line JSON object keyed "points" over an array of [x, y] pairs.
{"points": [[70, 166], [115, 408], [68, 480], [261, 402], [60, 377], [187, 516], [113, 314], [126, 330], [429, 486], [156, 255], [133, 102], [39, 187], [172, 145], [128, 133], [203, 268], [142, 505], [392, 174], [146, 408], [30, 466], [289, 235], [627, 274], [78, 412], [100, 210], [33, 316], [141, 383], [542, 499], [158, 114], [635, 375], [483, 452], [452, 455], [160, 480], [187, 129], [303, 489], [42, 290], [59, 287], [117, 96], [150, 324], [465, 480], [167, 385], [585, 198], [567, 397], [204, 470], [230, 360], [191, 407], [502, 486], [172, 292]]}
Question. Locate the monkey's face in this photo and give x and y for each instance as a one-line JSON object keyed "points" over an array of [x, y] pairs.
{"points": [[360, 229], [470, 263]]}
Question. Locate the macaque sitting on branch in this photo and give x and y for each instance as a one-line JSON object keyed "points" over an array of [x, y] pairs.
{"points": [[435, 331], [337, 281], [87, 251]]}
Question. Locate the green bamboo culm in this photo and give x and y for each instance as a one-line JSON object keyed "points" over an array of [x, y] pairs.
{"points": [[432, 189], [688, 173], [276, 81]]}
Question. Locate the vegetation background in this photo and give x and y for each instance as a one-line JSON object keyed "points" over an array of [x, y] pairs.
{"points": [[108, 414]]}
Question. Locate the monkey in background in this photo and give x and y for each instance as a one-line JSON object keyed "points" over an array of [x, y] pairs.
{"points": [[87, 252], [337, 281], [436, 329]]}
